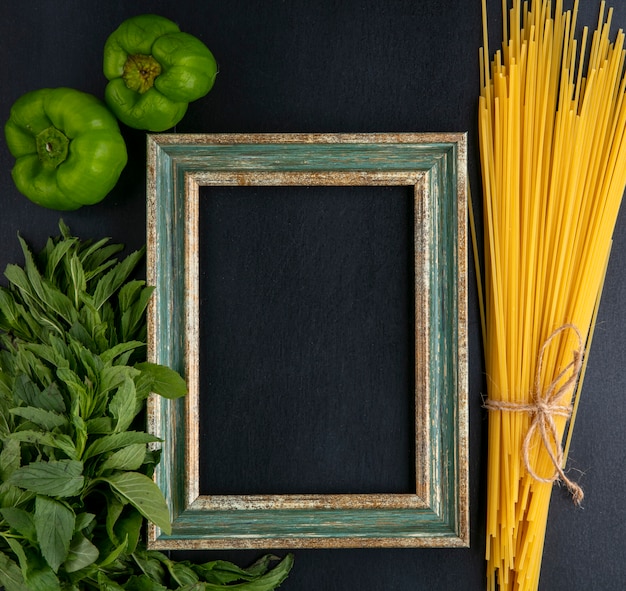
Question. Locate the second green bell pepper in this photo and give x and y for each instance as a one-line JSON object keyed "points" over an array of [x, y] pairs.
{"points": [[67, 146], [154, 72]]}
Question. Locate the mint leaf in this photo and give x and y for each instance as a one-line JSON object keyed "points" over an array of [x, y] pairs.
{"points": [[99, 426], [130, 457], [111, 354], [21, 521], [150, 564], [181, 573], [29, 364], [132, 309], [25, 390], [56, 253], [83, 520], [12, 496], [146, 583], [18, 550], [19, 278], [48, 352], [62, 478], [110, 554], [217, 574], [60, 303], [29, 393], [106, 584], [52, 399], [165, 381], [26, 326], [33, 292], [54, 523], [117, 441], [268, 580], [123, 406], [82, 553], [108, 284], [58, 441], [9, 458], [143, 494], [32, 272], [128, 527], [43, 418], [12, 578], [98, 256], [40, 576], [113, 376], [78, 281], [72, 381], [92, 321], [9, 313], [82, 335], [115, 507], [90, 361]]}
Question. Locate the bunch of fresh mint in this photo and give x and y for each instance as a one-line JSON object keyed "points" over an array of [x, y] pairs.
{"points": [[75, 462]]}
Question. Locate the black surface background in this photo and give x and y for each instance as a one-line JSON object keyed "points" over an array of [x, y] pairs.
{"points": [[341, 66]]}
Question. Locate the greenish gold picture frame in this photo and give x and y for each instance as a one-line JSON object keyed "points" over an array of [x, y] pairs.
{"points": [[434, 165]]}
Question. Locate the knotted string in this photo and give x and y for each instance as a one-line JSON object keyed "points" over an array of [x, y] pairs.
{"points": [[545, 406]]}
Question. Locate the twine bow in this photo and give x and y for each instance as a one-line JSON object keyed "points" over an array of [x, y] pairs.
{"points": [[545, 406]]}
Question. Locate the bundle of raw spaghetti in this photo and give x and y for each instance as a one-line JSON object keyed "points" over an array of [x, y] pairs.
{"points": [[552, 120]]}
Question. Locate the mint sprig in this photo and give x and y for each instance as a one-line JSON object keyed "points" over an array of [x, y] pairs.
{"points": [[75, 462]]}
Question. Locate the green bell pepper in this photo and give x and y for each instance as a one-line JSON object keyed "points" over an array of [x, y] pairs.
{"points": [[68, 148], [154, 72]]}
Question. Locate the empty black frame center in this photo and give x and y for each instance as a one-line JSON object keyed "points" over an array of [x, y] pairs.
{"points": [[306, 340]]}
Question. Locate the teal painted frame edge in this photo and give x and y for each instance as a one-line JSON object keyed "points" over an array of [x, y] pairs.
{"points": [[435, 165]]}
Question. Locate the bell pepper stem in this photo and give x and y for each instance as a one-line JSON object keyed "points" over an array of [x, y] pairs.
{"points": [[52, 147], [140, 72]]}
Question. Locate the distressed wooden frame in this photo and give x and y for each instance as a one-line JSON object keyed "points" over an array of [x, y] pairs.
{"points": [[436, 514]]}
